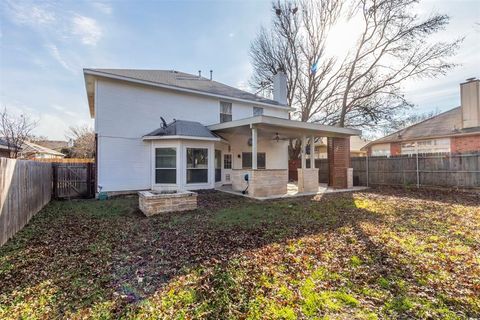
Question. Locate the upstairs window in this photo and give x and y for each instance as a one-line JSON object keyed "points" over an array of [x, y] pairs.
{"points": [[225, 111], [257, 111]]}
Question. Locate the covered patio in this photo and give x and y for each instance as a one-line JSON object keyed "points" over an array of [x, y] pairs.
{"points": [[267, 138]]}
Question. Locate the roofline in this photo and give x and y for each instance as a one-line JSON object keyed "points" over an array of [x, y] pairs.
{"points": [[287, 123], [91, 72], [460, 134], [42, 149], [175, 137], [413, 125]]}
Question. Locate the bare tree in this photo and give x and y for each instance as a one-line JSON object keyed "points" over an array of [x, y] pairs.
{"points": [[296, 44], [393, 47], [15, 130], [83, 138], [363, 87]]}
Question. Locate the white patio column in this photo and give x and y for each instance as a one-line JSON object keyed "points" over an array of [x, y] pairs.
{"points": [[304, 158], [312, 152], [254, 148]]}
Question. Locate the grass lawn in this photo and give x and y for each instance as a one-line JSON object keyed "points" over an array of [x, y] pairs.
{"points": [[388, 253]]}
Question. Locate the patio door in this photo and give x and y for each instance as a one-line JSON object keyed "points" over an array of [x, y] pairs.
{"points": [[218, 166], [227, 168]]}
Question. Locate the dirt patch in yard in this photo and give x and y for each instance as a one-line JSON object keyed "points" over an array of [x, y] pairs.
{"points": [[388, 253]]}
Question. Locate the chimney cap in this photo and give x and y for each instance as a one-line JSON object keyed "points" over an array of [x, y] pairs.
{"points": [[471, 79]]}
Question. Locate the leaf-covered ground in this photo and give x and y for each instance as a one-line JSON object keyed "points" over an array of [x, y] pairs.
{"points": [[387, 253]]}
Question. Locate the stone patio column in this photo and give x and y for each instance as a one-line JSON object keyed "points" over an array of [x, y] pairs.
{"points": [[304, 158], [308, 177], [339, 171]]}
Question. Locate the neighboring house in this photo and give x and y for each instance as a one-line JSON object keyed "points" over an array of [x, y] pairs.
{"points": [[212, 134], [4, 149], [356, 145], [57, 145], [33, 151], [456, 130]]}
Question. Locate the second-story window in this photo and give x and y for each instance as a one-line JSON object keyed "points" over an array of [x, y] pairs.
{"points": [[257, 111], [225, 111]]}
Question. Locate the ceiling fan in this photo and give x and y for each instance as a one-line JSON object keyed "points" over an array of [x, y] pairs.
{"points": [[278, 138]]}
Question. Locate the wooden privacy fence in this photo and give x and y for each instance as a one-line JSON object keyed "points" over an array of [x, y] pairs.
{"points": [[65, 160], [73, 180], [25, 188], [442, 170]]}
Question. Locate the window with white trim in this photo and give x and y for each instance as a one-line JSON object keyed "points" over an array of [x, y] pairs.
{"points": [[381, 150], [225, 111], [227, 161], [441, 145], [197, 165], [257, 111], [165, 165]]}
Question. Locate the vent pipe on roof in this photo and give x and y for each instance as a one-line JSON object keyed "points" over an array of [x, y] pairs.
{"points": [[211, 75], [199, 73]]}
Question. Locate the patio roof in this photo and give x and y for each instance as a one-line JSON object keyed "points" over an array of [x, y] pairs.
{"points": [[285, 127]]}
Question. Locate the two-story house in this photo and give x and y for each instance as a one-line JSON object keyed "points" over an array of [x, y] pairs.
{"points": [[169, 130]]}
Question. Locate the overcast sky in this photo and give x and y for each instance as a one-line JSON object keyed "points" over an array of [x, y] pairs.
{"points": [[45, 44]]}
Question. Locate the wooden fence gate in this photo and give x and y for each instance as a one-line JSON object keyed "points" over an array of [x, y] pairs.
{"points": [[73, 180]]}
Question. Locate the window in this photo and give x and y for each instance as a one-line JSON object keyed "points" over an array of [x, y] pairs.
{"points": [[381, 150], [225, 111], [426, 146], [227, 161], [218, 165], [257, 111], [197, 165], [165, 165], [247, 160]]}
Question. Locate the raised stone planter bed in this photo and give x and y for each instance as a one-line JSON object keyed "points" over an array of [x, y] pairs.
{"points": [[155, 202]]}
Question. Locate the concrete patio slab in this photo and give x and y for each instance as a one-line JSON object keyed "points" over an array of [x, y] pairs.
{"points": [[292, 191]]}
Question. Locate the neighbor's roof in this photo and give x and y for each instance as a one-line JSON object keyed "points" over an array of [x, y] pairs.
{"points": [[56, 145], [448, 123], [4, 144], [30, 147], [183, 128], [177, 80]]}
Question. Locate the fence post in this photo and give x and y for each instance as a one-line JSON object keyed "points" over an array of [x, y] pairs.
{"points": [[367, 170], [54, 180], [418, 174]]}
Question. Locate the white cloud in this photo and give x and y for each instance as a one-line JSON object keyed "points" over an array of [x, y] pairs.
{"points": [[55, 53], [103, 7], [29, 14], [87, 29]]}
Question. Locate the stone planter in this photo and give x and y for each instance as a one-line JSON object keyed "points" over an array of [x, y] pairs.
{"points": [[156, 202]]}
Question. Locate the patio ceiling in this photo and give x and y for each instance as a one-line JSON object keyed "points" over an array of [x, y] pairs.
{"points": [[267, 125]]}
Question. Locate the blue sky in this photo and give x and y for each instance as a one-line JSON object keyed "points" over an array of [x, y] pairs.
{"points": [[44, 46]]}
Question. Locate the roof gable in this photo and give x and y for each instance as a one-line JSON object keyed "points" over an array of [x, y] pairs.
{"points": [[177, 80], [447, 123]]}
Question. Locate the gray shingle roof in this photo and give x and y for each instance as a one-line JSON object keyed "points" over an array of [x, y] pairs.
{"points": [[185, 81], [448, 123], [184, 128]]}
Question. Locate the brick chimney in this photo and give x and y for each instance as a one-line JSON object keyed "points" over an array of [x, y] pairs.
{"points": [[280, 87], [470, 103]]}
